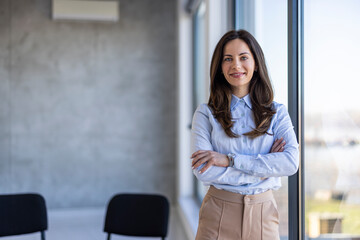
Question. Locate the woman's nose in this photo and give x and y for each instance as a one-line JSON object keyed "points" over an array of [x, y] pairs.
{"points": [[236, 64]]}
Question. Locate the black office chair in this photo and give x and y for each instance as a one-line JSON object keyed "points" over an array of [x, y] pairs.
{"points": [[22, 214], [137, 215]]}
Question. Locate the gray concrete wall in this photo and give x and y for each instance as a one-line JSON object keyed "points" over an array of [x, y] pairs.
{"points": [[87, 110]]}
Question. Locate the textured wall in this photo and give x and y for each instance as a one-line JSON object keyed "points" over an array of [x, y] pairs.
{"points": [[4, 97], [87, 109]]}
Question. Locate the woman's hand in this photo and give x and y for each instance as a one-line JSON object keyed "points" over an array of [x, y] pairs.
{"points": [[278, 145], [211, 158]]}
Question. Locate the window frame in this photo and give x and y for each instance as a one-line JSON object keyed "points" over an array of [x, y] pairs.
{"points": [[296, 112]]}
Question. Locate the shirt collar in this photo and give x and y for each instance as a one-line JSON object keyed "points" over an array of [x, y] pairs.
{"points": [[235, 101]]}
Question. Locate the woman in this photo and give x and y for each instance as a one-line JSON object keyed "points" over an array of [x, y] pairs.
{"points": [[242, 143]]}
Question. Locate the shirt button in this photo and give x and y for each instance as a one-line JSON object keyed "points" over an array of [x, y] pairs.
{"points": [[244, 140], [243, 126], [242, 114]]}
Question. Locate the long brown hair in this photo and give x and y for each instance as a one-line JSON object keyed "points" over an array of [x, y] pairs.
{"points": [[260, 90]]}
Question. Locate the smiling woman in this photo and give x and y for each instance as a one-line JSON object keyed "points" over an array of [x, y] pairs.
{"points": [[223, 85], [242, 143], [238, 66]]}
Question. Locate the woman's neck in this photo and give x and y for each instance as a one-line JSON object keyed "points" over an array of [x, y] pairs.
{"points": [[241, 94]]}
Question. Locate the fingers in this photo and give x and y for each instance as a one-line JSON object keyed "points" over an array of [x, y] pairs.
{"points": [[278, 145], [279, 148], [196, 153], [196, 156], [201, 158], [208, 162], [206, 166]]}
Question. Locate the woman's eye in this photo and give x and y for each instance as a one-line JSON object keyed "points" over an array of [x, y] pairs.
{"points": [[244, 58], [227, 59]]}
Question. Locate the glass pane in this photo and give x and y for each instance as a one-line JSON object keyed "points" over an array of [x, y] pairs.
{"points": [[271, 32], [200, 74], [332, 119]]}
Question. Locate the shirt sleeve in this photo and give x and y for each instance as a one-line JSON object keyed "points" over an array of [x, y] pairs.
{"points": [[201, 140], [276, 164]]}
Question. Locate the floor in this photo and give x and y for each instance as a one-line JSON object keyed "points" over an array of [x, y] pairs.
{"points": [[87, 224]]}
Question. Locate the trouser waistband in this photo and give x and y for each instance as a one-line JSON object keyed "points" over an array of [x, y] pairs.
{"points": [[240, 198]]}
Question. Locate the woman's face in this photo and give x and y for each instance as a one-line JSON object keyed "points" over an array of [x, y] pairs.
{"points": [[238, 65]]}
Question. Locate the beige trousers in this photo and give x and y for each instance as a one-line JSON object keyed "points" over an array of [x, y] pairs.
{"points": [[231, 216]]}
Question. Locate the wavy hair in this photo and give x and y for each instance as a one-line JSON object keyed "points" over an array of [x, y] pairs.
{"points": [[260, 89]]}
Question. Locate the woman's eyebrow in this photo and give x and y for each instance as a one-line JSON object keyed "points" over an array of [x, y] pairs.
{"points": [[239, 54]]}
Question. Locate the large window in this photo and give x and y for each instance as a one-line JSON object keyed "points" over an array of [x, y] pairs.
{"points": [[332, 119]]}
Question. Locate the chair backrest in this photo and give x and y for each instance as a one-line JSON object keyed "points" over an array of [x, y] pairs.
{"points": [[137, 215], [22, 213]]}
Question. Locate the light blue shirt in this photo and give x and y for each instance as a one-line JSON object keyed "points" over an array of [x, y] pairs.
{"points": [[253, 159]]}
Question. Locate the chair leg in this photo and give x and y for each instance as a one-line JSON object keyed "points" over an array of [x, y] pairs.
{"points": [[108, 237], [42, 235]]}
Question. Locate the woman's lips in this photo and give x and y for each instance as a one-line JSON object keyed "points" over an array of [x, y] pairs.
{"points": [[237, 75]]}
